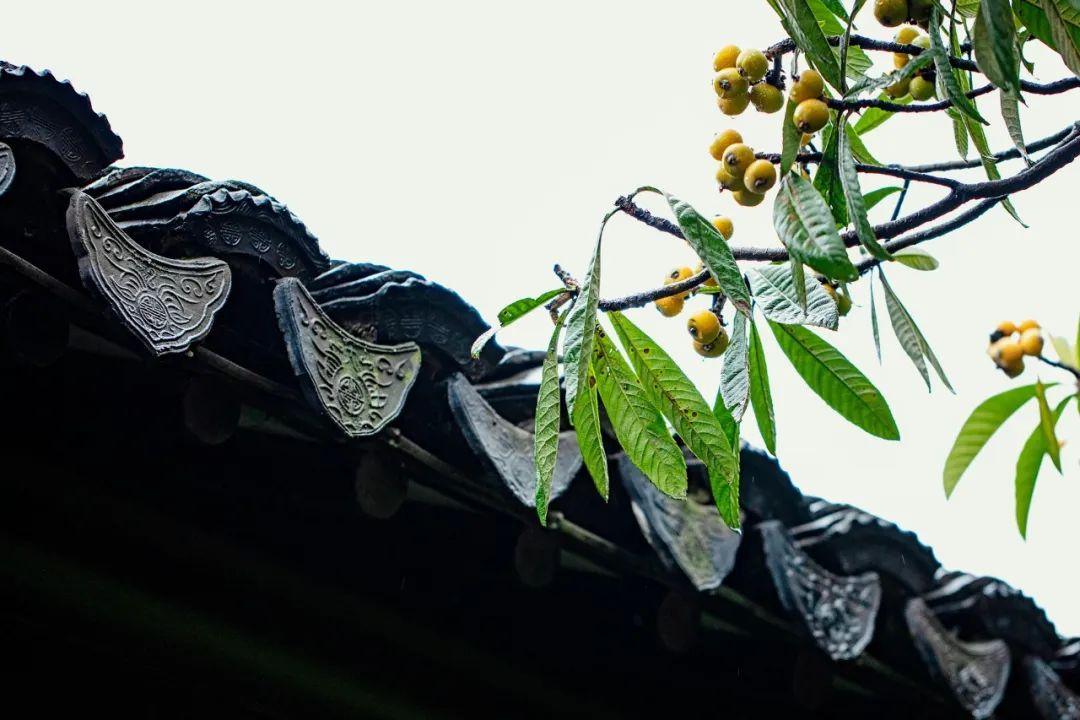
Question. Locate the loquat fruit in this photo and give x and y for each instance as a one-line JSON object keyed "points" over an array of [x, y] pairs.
{"points": [[891, 13], [809, 86], [811, 115], [730, 83], [1031, 342], [1027, 325], [899, 89], [737, 158], [715, 348], [760, 176], [747, 198], [906, 34], [670, 306], [724, 226], [704, 326], [752, 64], [923, 41], [899, 60], [921, 88], [721, 141], [919, 10], [766, 98], [1009, 353], [733, 105], [1006, 327], [843, 304], [725, 57], [729, 181], [1014, 369], [711, 281]]}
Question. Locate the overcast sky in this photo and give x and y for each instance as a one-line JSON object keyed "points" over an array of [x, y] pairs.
{"points": [[480, 142]]}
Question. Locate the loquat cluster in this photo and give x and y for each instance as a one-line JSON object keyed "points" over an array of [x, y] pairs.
{"points": [[706, 328], [740, 81], [811, 112], [891, 13], [921, 86], [740, 172], [1009, 343]]}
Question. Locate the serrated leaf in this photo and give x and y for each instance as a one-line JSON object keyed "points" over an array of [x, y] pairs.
{"points": [[581, 327], [836, 381], [849, 181], [874, 322], [1010, 113], [805, 225], [947, 77], [898, 311], [994, 42], [1064, 352], [873, 197], [1046, 422], [1027, 468], [792, 137], [980, 426], [774, 289], [586, 420], [713, 250], [672, 392], [760, 392], [734, 391], [546, 424], [798, 280], [916, 259], [514, 311], [808, 36], [1060, 15], [874, 117], [638, 424], [827, 177]]}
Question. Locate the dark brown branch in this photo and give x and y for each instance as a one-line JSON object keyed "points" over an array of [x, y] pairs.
{"points": [[992, 191], [1060, 366], [1010, 154], [867, 43], [1051, 88], [897, 171]]}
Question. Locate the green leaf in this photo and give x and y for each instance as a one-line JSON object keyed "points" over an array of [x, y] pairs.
{"points": [[858, 147], [994, 41], [874, 322], [947, 78], [546, 426], [827, 177], [1027, 468], [638, 425], [760, 392], [805, 225], [670, 390], [586, 419], [916, 259], [960, 136], [510, 313], [807, 34], [874, 117], [873, 197], [775, 291], [581, 327], [968, 8], [1038, 24], [910, 337], [1010, 113], [836, 380], [858, 62], [1063, 17], [1046, 422], [713, 250], [798, 280], [734, 390], [983, 422], [792, 137], [849, 181]]}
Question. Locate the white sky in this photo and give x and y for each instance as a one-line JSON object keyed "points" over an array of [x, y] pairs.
{"points": [[480, 142]]}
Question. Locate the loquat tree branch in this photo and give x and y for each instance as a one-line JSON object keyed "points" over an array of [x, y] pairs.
{"points": [[868, 43], [990, 192], [1051, 88]]}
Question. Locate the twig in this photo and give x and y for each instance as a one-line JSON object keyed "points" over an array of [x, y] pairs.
{"points": [[867, 43], [897, 171], [1060, 365], [1052, 88]]}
